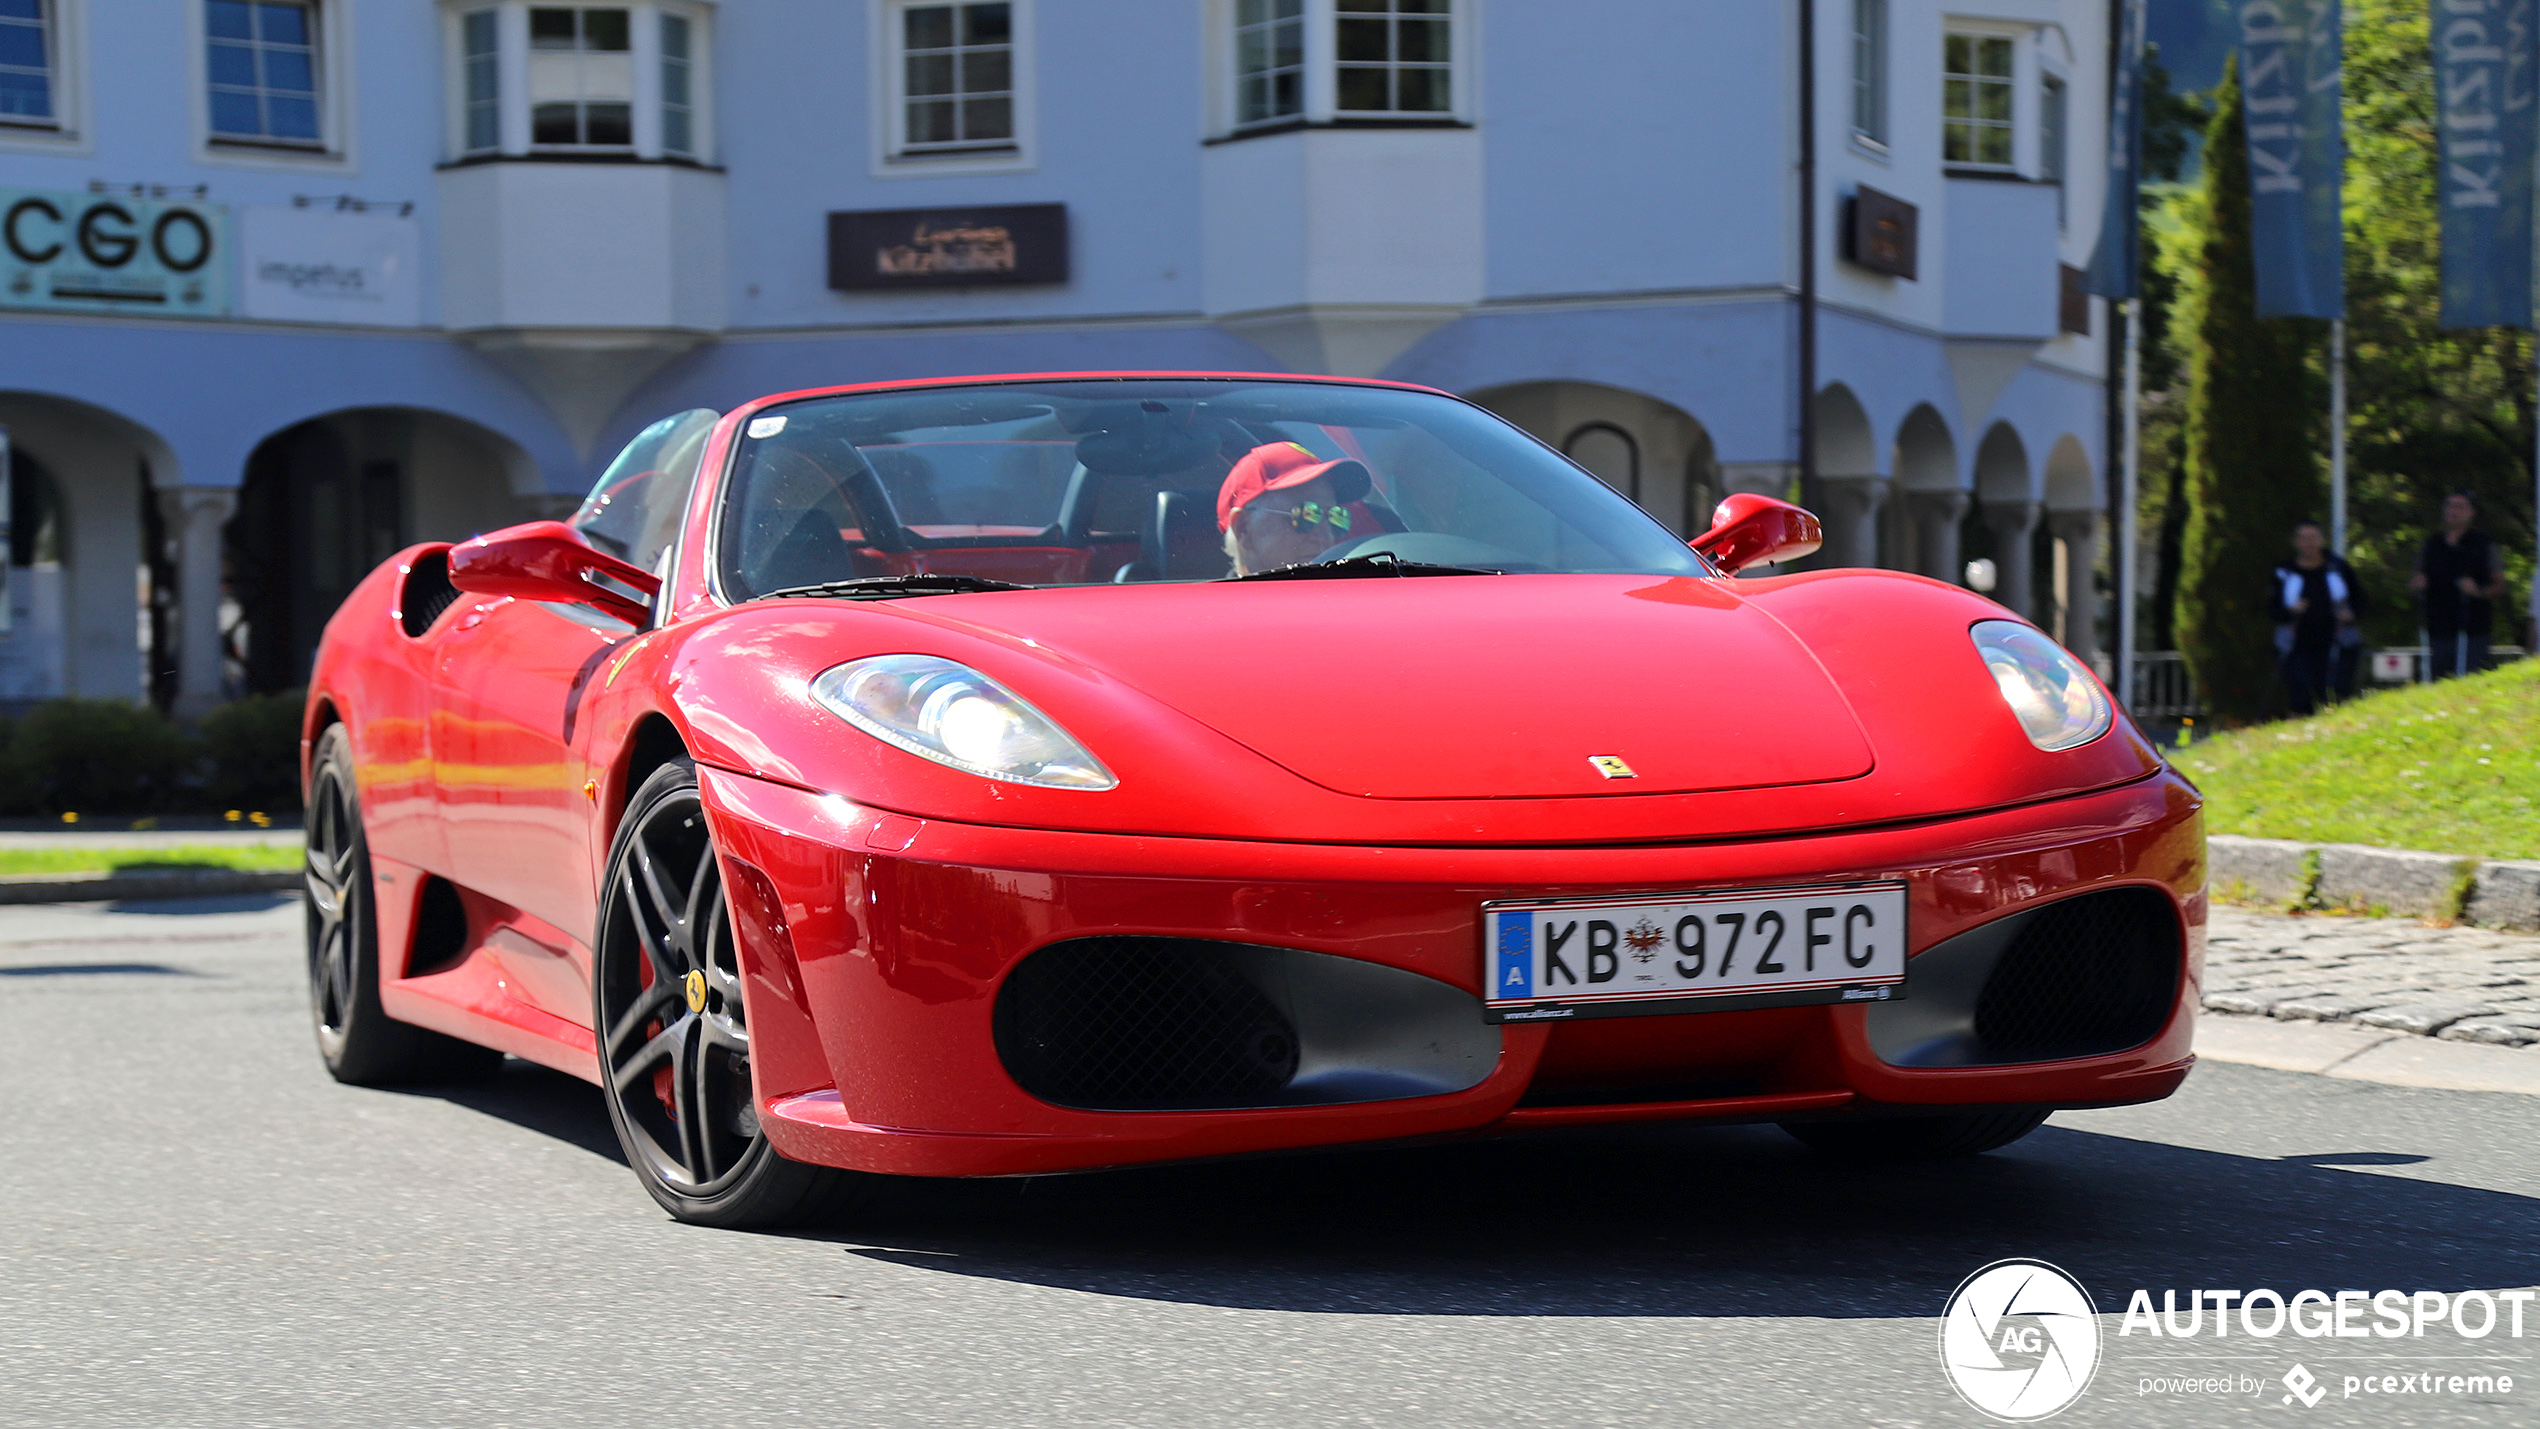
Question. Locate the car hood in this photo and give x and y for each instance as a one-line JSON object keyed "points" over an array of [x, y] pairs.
{"points": [[1480, 687], [1358, 711]]}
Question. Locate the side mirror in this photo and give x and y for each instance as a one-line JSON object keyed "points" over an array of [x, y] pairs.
{"points": [[1750, 530], [548, 560]]}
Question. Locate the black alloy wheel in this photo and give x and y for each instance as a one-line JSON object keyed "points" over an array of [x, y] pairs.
{"points": [[1920, 1138], [674, 1030], [360, 1042]]}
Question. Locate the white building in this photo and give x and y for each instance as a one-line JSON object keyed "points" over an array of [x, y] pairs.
{"points": [[287, 283]]}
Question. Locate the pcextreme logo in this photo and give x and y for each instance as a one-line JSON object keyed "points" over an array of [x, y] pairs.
{"points": [[2020, 1340]]}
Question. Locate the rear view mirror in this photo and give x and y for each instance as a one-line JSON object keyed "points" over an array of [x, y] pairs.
{"points": [[548, 560], [1750, 530]]}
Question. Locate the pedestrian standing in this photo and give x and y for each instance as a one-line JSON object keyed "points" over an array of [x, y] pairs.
{"points": [[2457, 581], [2316, 602]]}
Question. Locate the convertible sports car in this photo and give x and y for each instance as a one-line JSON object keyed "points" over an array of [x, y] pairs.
{"points": [[1018, 774]]}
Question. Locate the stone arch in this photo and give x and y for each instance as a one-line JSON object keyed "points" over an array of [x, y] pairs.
{"points": [[325, 499], [74, 619], [1610, 452], [1926, 454], [1850, 492], [1932, 495], [1674, 473], [2072, 484], [2006, 494], [2073, 505], [2002, 470], [1845, 445]]}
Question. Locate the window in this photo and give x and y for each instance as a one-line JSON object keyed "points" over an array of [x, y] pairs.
{"points": [[480, 54], [26, 64], [1281, 64], [1975, 126], [956, 78], [581, 78], [1394, 56], [607, 82], [678, 95], [1269, 60], [2050, 139], [263, 61], [1869, 70]]}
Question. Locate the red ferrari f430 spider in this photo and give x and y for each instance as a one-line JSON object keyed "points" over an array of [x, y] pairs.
{"points": [[1020, 774]]}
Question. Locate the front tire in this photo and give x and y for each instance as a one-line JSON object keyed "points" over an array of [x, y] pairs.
{"points": [[1920, 1138], [361, 1043], [673, 1032]]}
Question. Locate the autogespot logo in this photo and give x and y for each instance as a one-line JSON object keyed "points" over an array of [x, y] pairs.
{"points": [[2020, 1340]]}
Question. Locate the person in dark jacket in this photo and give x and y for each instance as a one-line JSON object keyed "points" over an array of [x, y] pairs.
{"points": [[2316, 601], [2458, 578]]}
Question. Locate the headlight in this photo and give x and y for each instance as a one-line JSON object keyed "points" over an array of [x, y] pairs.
{"points": [[2058, 702], [954, 715]]}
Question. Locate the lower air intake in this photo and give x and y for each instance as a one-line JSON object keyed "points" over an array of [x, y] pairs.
{"points": [[2087, 976], [2081, 977], [1178, 1024]]}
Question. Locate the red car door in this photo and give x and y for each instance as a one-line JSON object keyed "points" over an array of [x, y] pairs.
{"points": [[518, 826]]}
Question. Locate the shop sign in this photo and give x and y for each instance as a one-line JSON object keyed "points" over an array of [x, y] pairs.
{"points": [[948, 247], [1881, 232], [330, 265], [113, 252]]}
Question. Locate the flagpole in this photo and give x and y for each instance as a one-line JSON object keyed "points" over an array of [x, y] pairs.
{"points": [[2337, 436], [2130, 479]]}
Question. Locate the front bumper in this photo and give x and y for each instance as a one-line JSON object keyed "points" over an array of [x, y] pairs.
{"points": [[874, 946]]}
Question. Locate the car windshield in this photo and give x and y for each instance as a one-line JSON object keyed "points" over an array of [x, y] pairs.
{"points": [[1122, 481]]}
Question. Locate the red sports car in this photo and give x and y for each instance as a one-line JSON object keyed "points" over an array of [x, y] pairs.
{"points": [[1017, 774]]}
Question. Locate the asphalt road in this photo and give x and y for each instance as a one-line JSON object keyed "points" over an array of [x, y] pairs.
{"points": [[198, 1228]]}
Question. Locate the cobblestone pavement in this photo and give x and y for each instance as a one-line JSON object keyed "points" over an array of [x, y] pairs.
{"points": [[2460, 984]]}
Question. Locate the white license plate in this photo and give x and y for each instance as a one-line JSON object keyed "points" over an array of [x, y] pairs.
{"points": [[1693, 952]]}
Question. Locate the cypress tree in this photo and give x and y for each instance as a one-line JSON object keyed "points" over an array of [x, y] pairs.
{"points": [[2251, 470]]}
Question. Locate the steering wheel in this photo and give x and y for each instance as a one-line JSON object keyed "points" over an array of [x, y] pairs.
{"points": [[1436, 548]]}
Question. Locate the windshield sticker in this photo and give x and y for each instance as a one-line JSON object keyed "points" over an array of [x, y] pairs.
{"points": [[761, 427]]}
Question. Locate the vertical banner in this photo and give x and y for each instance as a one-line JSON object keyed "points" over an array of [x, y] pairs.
{"points": [[2483, 119], [2290, 54], [2113, 262], [7, 501]]}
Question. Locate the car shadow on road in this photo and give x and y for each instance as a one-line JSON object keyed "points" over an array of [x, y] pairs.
{"points": [[196, 907], [534, 1098], [1701, 1222]]}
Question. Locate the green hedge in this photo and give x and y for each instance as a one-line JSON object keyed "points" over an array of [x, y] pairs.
{"points": [[111, 757]]}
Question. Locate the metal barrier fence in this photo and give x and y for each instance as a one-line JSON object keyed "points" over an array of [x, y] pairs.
{"points": [[2163, 689]]}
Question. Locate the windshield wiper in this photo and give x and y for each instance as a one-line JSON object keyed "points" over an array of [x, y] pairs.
{"points": [[1383, 563], [892, 587]]}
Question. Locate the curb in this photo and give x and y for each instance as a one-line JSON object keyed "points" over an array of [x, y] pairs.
{"points": [[130, 887], [2489, 893], [2396, 1059]]}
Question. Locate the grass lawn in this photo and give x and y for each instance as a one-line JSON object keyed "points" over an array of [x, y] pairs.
{"points": [[145, 860], [2454, 768]]}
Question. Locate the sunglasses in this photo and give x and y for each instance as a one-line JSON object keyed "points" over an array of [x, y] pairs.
{"points": [[1312, 514]]}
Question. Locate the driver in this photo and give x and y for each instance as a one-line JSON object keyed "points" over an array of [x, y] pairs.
{"points": [[1282, 505]]}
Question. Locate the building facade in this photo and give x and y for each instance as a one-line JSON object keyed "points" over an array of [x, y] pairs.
{"points": [[285, 284]]}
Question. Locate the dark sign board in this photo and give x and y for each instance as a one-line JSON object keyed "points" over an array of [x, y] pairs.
{"points": [[1881, 233], [948, 247], [2074, 310]]}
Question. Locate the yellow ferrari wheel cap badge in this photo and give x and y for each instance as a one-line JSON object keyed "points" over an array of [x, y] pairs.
{"points": [[1612, 766], [694, 984]]}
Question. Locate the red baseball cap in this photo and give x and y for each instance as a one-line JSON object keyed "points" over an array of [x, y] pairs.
{"points": [[1281, 465]]}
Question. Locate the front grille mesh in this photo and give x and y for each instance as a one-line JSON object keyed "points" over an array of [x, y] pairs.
{"points": [[1142, 1024], [2087, 976]]}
